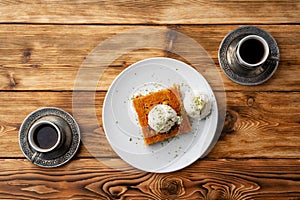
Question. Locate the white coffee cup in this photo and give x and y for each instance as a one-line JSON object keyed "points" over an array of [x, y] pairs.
{"points": [[252, 51], [44, 136]]}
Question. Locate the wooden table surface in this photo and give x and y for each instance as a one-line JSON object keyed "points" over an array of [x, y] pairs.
{"points": [[42, 46]]}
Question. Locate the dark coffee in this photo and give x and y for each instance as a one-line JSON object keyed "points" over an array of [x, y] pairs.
{"points": [[252, 51], [45, 136]]}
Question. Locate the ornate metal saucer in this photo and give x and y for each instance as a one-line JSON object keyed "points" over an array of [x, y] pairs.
{"points": [[238, 73], [64, 152]]}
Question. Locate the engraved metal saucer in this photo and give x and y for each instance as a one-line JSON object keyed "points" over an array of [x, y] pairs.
{"points": [[64, 152], [238, 73]]}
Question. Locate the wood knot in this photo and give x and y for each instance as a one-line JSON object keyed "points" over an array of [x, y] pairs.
{"points": [[172, 187], [117, 191], [230, 120], [250, 101], [26, 55]]}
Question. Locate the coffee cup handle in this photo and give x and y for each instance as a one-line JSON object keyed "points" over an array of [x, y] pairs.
{"points": [[35, 156], [273, 58]]}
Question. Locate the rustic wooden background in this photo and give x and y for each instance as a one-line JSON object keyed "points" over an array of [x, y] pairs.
{"points": [[44, 42]]}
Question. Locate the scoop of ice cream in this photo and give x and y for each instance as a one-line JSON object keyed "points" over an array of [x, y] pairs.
{"points": [[197, 105], [162, 117]]}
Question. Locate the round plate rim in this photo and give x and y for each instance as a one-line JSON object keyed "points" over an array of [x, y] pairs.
{"points": [[116, 149]]}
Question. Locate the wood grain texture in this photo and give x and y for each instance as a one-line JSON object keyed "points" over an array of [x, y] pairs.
{"points": [[149, 12], [30, 53], [206, 179], [258, 124], [42, 46]]}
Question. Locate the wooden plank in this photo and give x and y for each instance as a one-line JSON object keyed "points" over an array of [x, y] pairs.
{"points": [[48, 57], [206, 179], [258, 124], [150, 12]]}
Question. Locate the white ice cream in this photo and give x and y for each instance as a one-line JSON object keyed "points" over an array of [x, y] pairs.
{"points": [[162, 117], [197, 105]]}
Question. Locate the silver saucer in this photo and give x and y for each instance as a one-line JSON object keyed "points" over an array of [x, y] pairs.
{"points": [[59, 156], [238, 73]]}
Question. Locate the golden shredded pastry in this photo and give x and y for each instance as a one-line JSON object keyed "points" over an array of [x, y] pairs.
{"points": [[171, 97]]}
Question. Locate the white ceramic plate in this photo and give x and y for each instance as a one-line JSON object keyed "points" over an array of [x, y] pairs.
{"points": [[120, 120]]}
